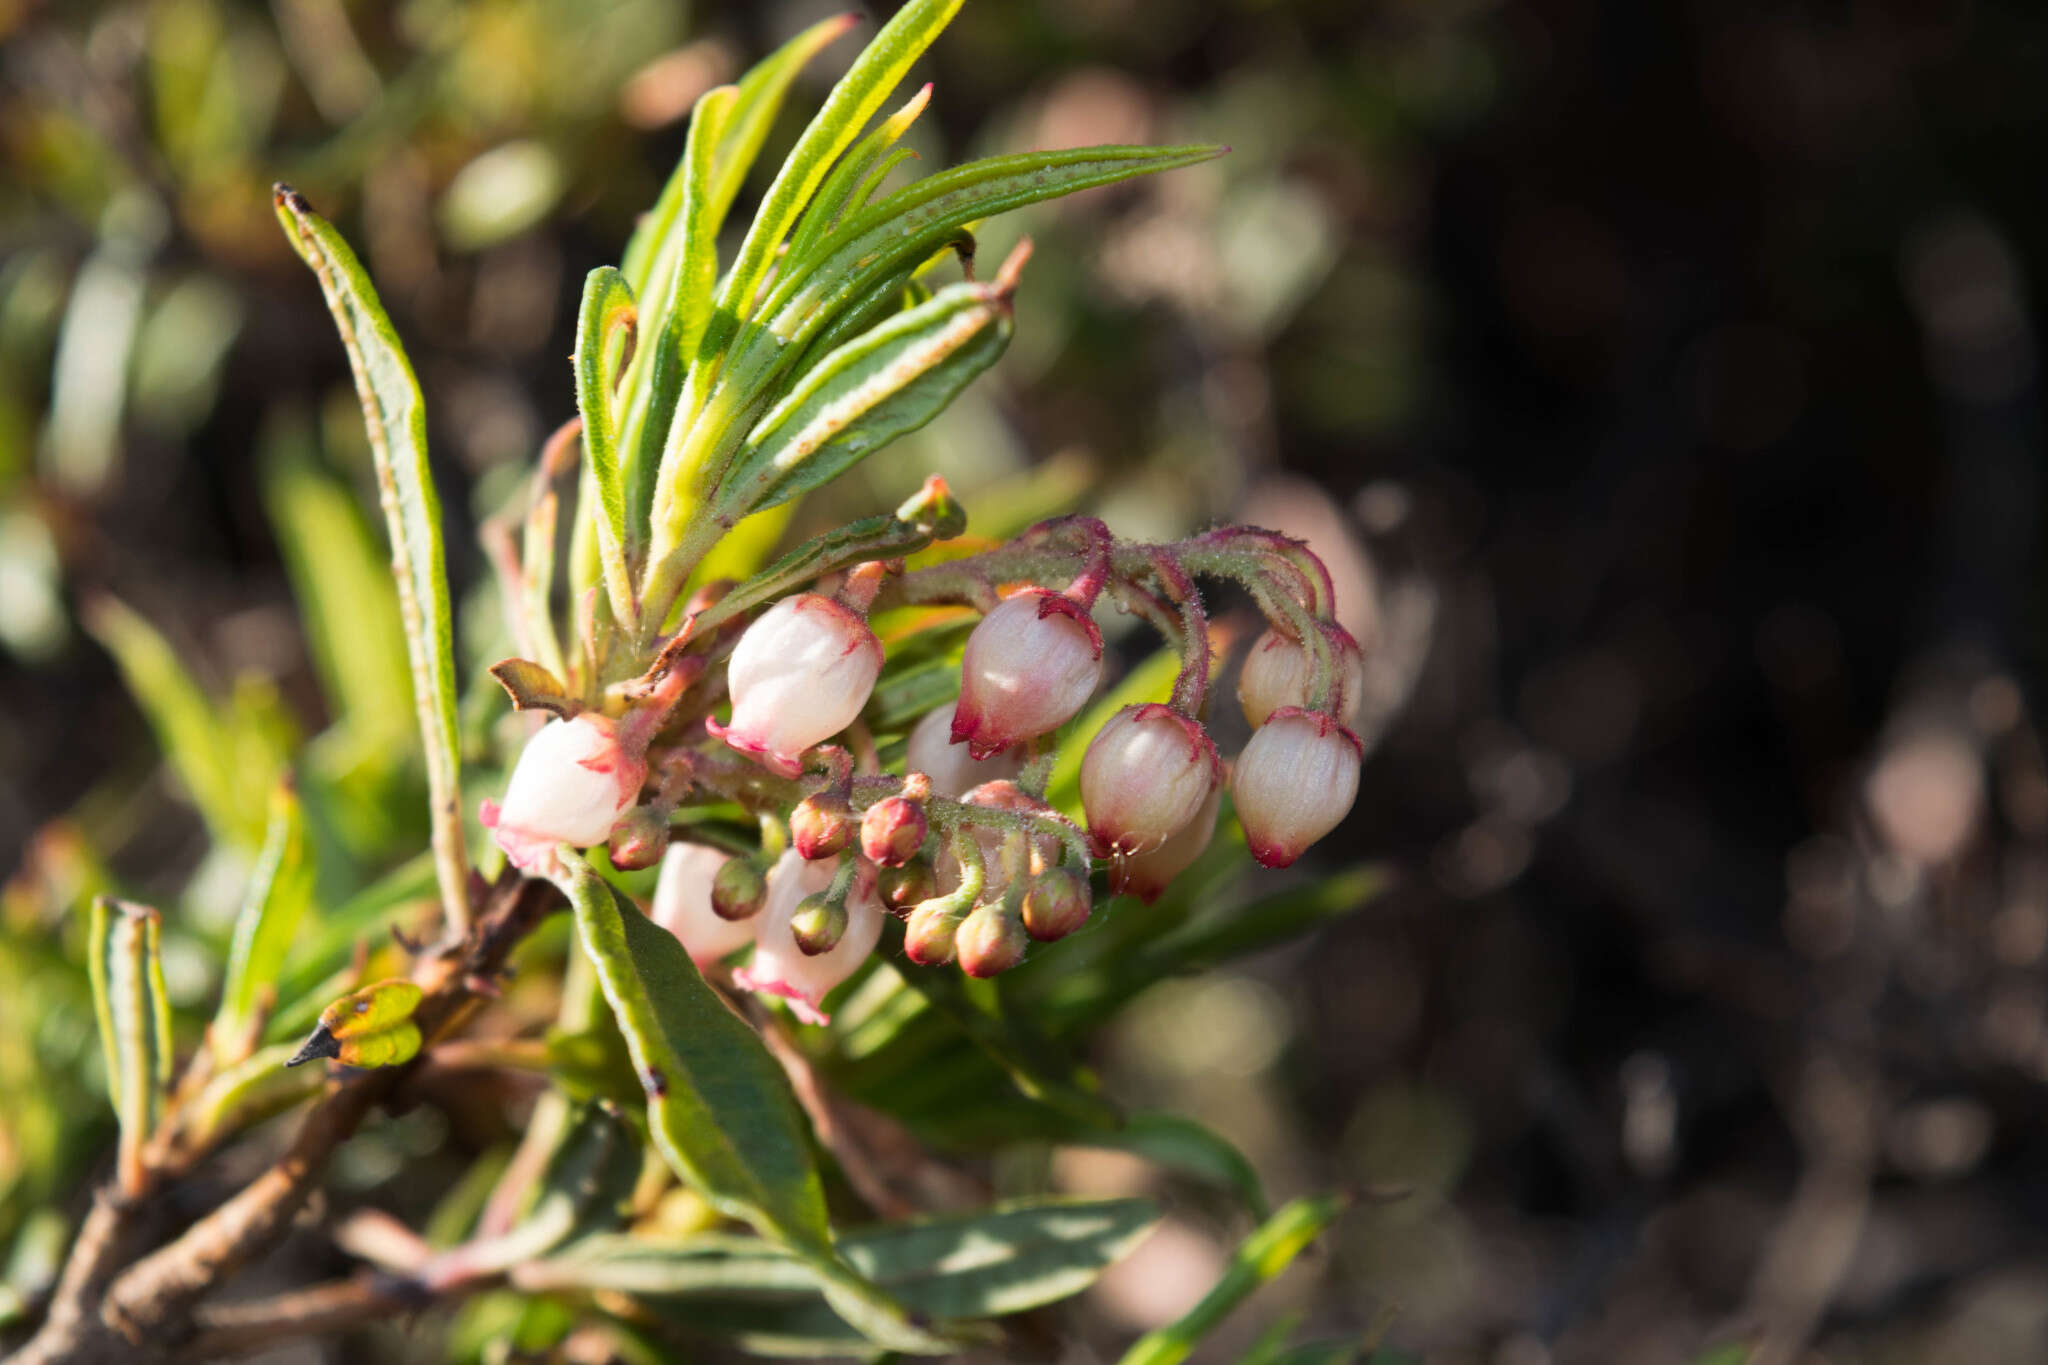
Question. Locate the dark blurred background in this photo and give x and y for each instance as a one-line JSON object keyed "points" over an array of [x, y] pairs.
{"points": [[1660, 379]]}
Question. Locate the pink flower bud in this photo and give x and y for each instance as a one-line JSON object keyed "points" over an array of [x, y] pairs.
{"points": [[893, 830], [1056, 905], [990, 942], [929, 937], [1030, 665], [1278, 670], [1146, 875], [682, 904], [571, 784], [821, 826], [1145, 775], [951, 768], [819, 924], [639, 838], [738, 891], [797, 677], [1294, 781], [779, 967]]}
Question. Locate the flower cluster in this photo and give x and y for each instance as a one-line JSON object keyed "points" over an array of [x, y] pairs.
{"points": [[959, 842]]}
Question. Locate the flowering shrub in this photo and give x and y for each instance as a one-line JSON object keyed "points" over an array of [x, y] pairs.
{"points": [[809, 754]]}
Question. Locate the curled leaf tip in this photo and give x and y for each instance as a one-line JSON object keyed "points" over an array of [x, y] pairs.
{"points": [[322, 1045]]}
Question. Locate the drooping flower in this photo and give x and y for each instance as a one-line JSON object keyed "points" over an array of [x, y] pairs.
{"points": [[1294, 782], [572, 783], [1147, 875], [1277, 672], [779, 966], [1029, 666], [952, 769], [797, 677], [1144, 776], [682, 904]]}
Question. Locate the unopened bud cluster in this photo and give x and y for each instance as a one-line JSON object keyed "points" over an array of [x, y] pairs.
{"points": [[961, 844]]}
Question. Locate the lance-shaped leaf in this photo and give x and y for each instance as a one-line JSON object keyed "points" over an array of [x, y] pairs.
{"points": [[994, 1262], [918, 220], [730, 154], [604, 333], [871, 390], [280, 889], [718, 1106], [676, 302], [1270, 1249], [395, 417], [135, 1023], [881, 65], [850, 178], [727, 130]]}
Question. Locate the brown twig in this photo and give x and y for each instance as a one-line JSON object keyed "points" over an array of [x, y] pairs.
{"points": [[148, 1309], [236, 1329]]}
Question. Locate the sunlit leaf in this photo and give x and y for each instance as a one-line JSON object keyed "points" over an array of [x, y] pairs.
{"points": [[395, 418], [280, 889], [991, 1263], [1270, 1249], [871, 390], [718, 1107], [604, 329]]}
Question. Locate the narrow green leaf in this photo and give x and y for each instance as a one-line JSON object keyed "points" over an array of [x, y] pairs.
{"points": [[839, 189], [126, 972], [280, 889], [859, 93], [917, 220], [871, 390], [604, 330], [991, 1263], [196, 738], [676, 302], [395, 418], [753, 106], [718, 1106], [726, 134], [1259, 1258]]}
